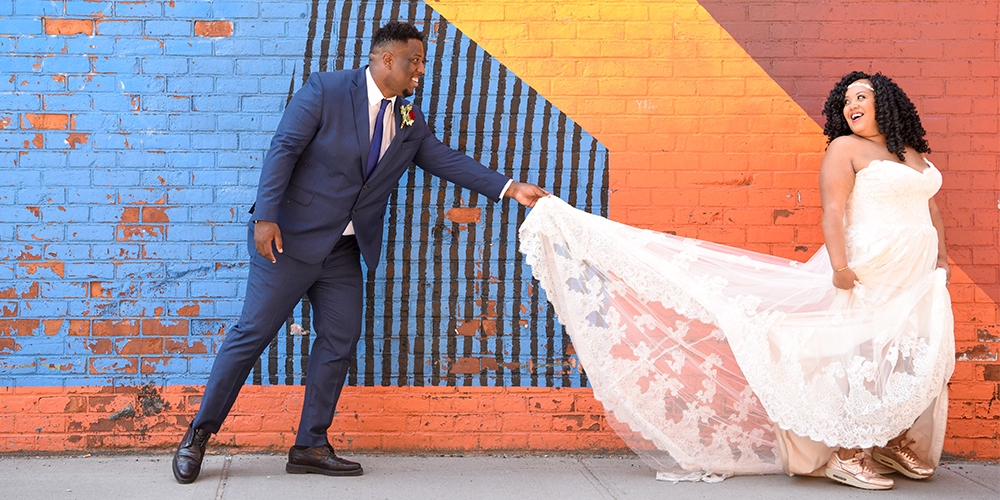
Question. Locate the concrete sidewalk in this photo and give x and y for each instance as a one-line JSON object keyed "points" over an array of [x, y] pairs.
{"points": [[480, 477]]}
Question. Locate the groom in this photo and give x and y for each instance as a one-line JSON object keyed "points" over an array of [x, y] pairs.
{"points": [[343, 142]]}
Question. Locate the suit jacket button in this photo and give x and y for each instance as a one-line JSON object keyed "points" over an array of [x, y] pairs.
{"points": [[365, 186], [353, 212]]}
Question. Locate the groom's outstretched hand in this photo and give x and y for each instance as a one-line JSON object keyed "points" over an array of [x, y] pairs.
{"points": [[525, 194]]}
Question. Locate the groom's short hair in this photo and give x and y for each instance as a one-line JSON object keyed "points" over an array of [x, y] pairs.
{"points": [[395, 31]]}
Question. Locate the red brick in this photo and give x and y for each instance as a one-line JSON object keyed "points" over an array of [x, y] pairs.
{"points": [[213, 28], [68, 26]]}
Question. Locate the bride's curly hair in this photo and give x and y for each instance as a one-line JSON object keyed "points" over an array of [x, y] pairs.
{"points": [[894, 112]]}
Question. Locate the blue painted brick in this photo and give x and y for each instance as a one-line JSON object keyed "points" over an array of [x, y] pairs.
{"points": [[262, 104], [139, 271], [218, 140], [239, 159], [6, 85], [197, 366], [144, 10], [40, 345], [6, 7], [276, 85], [123, 251], [41, 232], [21, 215], [8, 160], [270, 122], [66, 252], [68, 102], [16, 140], [158, 28], [259, 66], [34, 196], [90, 270], [189, 232], [165, 65], [188, 10], [142, 121], [289, 47], [164, 365], [163, 289], [116, 27], [215, 252], [87, 122], [190, 159], [257, 28], [187, 271], [66, 64], [229, 308], [89, 232], [93, 83], [41, 44], [112, 366], [66, 177], [17, 366], [175, 214], [172, 103], [187, 47], [249, 140], [193, 121], [165, 178], [232, 10], [190, 84], [165, 141], [215, 178], [63, 290], [90, 45], [95, 196], [90, 8], [65, 214], [239, 122], [209, 289], [251, 178], [41, 8], [115, 177], [110, 141], [62, 140], [226, 103], [6, 234], [126, 64], [211, 66], [62, 365], [240, 85], [95, 308], [43, 309], [114, 102], [40, 83], [43, 159], [21, 65], [234, 233], [128, 159], [90, 159], [235, 196], [283, 10], [242, 47], [149, 196], [21, 102], [140, 84], [165, 251]]}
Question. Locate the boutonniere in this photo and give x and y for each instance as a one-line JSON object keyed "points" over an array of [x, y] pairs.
{"points": [[408, 115]]}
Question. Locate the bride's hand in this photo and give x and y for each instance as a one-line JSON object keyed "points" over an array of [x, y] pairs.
{"points": [[942, 263], [844, 279]]}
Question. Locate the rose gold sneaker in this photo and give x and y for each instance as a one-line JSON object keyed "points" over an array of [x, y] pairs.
{"points": [[903, 460], [856, 472]]}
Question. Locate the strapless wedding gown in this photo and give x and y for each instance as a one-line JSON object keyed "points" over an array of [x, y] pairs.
{"points": [[713, 361]]}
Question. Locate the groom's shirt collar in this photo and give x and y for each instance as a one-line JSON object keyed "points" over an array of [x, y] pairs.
{"points": [[374, 94]]}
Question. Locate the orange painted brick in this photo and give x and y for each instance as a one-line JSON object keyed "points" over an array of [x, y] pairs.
{"points": [[112, 328], [213, 28], [44, 121], [19, 326], [68, 26], [165, 327]]}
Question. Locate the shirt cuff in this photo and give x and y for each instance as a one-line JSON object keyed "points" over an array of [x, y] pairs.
{"points": [[504, 190]]}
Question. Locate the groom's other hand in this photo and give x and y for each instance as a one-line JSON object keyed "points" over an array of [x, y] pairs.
{"points": [[525, 194], [264, 233]]}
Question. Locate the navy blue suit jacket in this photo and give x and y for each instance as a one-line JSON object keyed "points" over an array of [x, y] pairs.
{"points": [[313, 182]]}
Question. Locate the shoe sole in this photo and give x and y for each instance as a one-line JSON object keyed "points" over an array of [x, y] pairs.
{"points": [[892, 464], [308, 469], [852, 481]]}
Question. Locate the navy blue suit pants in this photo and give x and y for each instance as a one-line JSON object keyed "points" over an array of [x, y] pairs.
{"points": [[335, 291]]}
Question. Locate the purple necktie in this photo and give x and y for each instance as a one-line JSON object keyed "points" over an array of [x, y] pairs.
{"points": [[376, 140]]}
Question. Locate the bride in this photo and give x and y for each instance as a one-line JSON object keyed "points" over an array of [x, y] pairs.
{"points": [[713, 361]]}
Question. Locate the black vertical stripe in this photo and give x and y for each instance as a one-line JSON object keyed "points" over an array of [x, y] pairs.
{"points": [[310, 38], [324, 50]]}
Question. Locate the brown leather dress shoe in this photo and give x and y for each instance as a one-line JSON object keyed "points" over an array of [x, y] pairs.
{"points": [[187, 460], [320, 460]]}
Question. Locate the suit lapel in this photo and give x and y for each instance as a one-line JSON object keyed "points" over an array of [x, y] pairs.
{"points": [[359, 95], [397, 139]]}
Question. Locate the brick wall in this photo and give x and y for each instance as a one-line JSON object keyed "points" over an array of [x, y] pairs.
{"points": [[712, 113], [130, 133]]}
